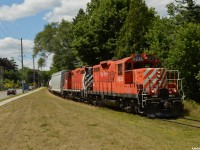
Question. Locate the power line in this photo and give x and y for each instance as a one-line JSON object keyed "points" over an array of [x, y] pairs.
{"points": [[2, 30], [6, 31]]}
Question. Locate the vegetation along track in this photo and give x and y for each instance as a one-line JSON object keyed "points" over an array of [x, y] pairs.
{"points": [[184, 121]]}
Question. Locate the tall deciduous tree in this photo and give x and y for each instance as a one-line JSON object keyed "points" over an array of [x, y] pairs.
{"points": [[138, 20], [160, 37], [56, 39], [96, 30]]}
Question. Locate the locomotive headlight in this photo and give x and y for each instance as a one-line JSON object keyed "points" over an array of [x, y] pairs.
{"points": [[170, 91], [174, 90], [153, 91]]}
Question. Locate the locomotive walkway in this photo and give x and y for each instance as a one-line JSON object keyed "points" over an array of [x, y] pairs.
{"points": [[17, 97]]}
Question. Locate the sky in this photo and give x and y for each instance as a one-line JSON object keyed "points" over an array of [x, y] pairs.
{"points": [[25, 18]]}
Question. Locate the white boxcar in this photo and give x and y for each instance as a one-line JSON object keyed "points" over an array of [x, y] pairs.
{"points": [[57, 82]]}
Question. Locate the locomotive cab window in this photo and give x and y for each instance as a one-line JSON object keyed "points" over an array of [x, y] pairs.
{"points": [[128, 66], [119, 69]]}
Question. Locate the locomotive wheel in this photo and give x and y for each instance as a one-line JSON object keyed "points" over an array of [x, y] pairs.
{"points": [[127, 107], [136, 110]]}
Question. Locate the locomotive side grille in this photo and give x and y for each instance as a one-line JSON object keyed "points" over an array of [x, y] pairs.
{"points": [[154, 79]]}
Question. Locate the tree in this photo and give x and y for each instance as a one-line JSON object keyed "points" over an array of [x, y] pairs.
{"points": [[64, 55], [8, 64], [160, 37], [184, 55], [96, 31], [56, 39], [8, 71], [138, 20], [44, 41], [41, 63], [186, 10]]}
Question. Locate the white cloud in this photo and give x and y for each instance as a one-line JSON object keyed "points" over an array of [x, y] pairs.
{"points": [[11, 48], [58, 9], [67, 10], [159, 5], [27, 8]]}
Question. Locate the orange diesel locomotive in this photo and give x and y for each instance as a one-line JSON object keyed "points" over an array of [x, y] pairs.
{"points": [[134, 84]]}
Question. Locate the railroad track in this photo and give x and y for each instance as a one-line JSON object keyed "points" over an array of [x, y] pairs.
{"points": [[189, 122]]}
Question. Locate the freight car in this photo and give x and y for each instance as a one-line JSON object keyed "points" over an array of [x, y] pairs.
{"points": [[134, 84], [56, 82]]}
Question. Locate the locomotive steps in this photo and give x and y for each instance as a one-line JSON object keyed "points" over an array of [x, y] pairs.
{"points": [[44, 121]]}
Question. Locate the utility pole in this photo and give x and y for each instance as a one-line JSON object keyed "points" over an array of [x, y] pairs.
{"points": [[33, 70], [1, 77], [22, 67], [38, 77]]}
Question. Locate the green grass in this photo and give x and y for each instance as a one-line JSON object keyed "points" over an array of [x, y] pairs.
{"points": [[43, 121], [191, 109]]}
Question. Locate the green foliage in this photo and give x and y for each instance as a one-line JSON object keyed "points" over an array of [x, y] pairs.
{"points": [[138, 20], [11, 75], [107, 29], [9, 83], [184, 55], [41, 62], [160, 37], [46, 75], [96, 31], [44, 41], [55, 38], [8, 64], [198, 76]]}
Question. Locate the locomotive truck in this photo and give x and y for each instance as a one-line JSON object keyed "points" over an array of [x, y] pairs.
{"points": [[134, 84]]}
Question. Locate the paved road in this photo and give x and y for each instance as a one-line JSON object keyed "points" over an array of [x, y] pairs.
{"points": [[3, 94], [19, 96]]}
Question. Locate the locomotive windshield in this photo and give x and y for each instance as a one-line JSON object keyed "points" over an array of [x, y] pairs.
{"points": [[138, 65]]}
